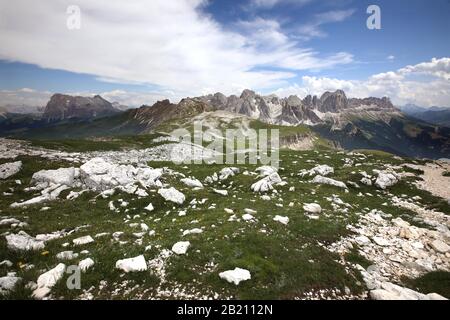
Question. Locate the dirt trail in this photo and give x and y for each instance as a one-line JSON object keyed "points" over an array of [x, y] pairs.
{"points": [[434, 181]]}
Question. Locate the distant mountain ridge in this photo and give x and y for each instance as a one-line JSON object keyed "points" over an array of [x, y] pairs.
{"points": [[350, 123], [293, 111], [62, 107], [435, 115]]}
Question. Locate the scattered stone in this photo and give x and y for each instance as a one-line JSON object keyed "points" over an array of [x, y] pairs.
{"points": [[192, 231], [67, 255], [149, 208], [8, 283], [23, 242], [86, 264], [386, 179], [440, 246], [248, 217], [381, 241], [193, 183], [83, 240], [221, 192], [132, 264], [281, 219], [9, 169], [323, 180], [322, 170], [48, 280], [312, 208], [235, 276], [172, 195], [267, 183], [181, 247]]}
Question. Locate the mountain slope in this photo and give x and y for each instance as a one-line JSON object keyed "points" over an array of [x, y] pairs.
{"points": [[401, 135]]}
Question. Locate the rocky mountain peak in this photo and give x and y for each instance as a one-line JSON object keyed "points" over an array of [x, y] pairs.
{"points": [[333, 101], [294, 101], [61, 107], [248, 94]]}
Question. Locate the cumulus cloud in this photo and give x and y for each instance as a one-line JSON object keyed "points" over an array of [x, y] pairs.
{"points": [[402, 86], [169, 44]]}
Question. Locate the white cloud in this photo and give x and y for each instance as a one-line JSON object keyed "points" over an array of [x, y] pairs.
{"points": [[391, 58], [436, 67], [170, 44], [402, 86], [24, 97], [268, 4], [313, 28]]}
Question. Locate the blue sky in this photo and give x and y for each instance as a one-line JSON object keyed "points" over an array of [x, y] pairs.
{"points": [[138, 53]]}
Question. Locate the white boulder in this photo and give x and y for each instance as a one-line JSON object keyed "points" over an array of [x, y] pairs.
{"points": [[48, 280], [312, 208], [181, 247], [132, 264], [23, 242], [386, 179], [9, 169], [8, 283], [323, 180], [172, 195], [86, 264], [235, 276], [193, 183], [82, 240], [281, 219], [62, 176], [266, 184]]}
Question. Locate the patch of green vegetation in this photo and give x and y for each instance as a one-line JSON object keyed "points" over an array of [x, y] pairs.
{"points": [[285, 261], [446, 173], [433, 282], [285, 131], [100, 144], [353, 256]]}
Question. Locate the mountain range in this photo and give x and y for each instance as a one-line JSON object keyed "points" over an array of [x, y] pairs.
{"points": [[436, 115], [350, 123]]}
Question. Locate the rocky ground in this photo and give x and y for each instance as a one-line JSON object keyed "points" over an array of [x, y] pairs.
{"points": [[325, 225]]}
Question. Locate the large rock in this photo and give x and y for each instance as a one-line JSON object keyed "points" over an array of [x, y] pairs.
{"points": [[193, 183], [23, 242], [8, 283], [132, 264], [386, 179], [48, 280], [390, 291], [440, 246], [235, 276], [101, 175], [312, 208], [62, 176], [267, 183], [86, 264], [83, 240], [181, 247], [172, 195], [323, 180], [9, 169], [265, 171], [322, 170]]}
